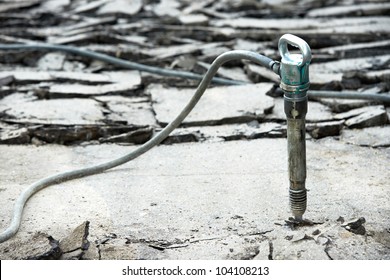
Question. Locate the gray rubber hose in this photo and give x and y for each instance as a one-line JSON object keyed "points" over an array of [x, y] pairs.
{"points": [[69, 175]]}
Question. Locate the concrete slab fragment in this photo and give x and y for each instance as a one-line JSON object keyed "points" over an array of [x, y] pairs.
{"points": [[51, 61], [128, 110], [126, 7], [39, 246], [324, 129], [371, 136], [302, 23], [12, 134], [232, 73], [27, 74], [138, 136], [70, 90], [77, 239], [67, 121], [217, 106], [253, 130], [261, 74], [32, 75], [357, 9], [193, 19], [374, 116], [316, 112], [344, 65], [344, 105], [355, 112], [20, 108]]}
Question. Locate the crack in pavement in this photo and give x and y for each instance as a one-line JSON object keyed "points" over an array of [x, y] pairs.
{"points": [[326, 250], [271, 250], [162, 245]]}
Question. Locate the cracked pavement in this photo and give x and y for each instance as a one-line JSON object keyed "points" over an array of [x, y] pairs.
{"points": [[217, 187], [190, 201]]}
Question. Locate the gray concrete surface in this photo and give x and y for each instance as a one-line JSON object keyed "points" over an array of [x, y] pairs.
{"points": [[225, 104], [223, 200]]}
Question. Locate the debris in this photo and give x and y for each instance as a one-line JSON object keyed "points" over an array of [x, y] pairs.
{"points": [[260, 74], [340, 219], [82, 8], [19, 108], [77, 239], [27, 75], [324, 129], [158, 247], [344, 65], [227, 132], [372, 136], [218, 106], [74, 90], [139, 136], [356, 226], [134, 111], [167, 8], [123, 7], [293, 223], [317, 112], [358, 49], [374, 116], [316, 232], [300, 237], [183, 135], [63, 134], [51, 61], [325, 80], [6, 80], [351, 10], [173, 51], [45, 248], [354, 112], [12, 134], [249, 254], [9, 6], [119, 249], [117, 252], [338, 28], [322, 240], [297, 24], [193, 19], [234, 73]]}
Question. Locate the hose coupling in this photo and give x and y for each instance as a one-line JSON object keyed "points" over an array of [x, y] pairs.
{"points": [[294, 68]]}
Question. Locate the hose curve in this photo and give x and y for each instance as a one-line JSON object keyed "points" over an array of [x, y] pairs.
{"points": [[69, 175]]}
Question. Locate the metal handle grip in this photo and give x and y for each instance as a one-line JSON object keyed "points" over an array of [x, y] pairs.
{"points": [[296, 42]]}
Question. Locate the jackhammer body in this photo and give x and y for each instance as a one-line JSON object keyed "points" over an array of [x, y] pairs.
{"points": [[294, 73]]}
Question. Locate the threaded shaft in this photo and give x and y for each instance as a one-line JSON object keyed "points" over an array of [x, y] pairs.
{"points": [[298, 201]]}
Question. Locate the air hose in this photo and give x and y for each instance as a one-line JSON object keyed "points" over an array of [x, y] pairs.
{"points": [[176, 73], [69, 175], [115, 61]]}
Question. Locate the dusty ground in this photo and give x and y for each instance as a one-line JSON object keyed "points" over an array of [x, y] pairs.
{"points": [[204, 201], [217, 188]]}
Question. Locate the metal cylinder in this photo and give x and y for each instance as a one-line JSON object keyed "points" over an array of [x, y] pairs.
{"points": [[294, 73], [296, 148]]}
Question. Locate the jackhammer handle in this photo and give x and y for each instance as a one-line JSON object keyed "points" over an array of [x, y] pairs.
{"points": [[296, 42]]}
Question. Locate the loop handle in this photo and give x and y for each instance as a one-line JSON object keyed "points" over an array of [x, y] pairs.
{"points": [[296, 42]]}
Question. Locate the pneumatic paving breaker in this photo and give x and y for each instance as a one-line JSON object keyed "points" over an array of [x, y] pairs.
{"points": [[294, 73]]}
